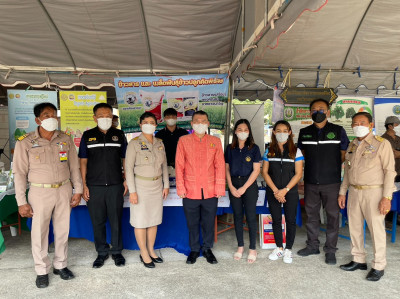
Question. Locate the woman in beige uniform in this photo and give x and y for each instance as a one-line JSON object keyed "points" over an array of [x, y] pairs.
{"points": [[148, 182]]}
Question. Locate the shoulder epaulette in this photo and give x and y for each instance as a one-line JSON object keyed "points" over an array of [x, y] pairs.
{"points": [[22, 137], [379, 138], [136, 138]]}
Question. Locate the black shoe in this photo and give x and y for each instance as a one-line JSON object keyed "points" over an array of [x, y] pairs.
{"points": [[191, 259], [375, 275], [330, 258], [352, 266], [210, 256], [147, 265], [119, 260], [42, 281], [99, 262], [157, 260], [64, 273], [307, 251]]}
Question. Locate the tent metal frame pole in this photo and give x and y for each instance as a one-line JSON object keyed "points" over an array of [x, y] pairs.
{"points": [[228, 113], [322, 70], [147, 36], [235, 34], [58, 32], [355, 34]]}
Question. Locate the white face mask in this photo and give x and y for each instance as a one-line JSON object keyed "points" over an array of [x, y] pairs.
{"points": [[397, 130], [360, 131], [170, 122], [49, 124], [282, 137], [148, 128], [115, 123], [242, 135], [104, 123], [200, 128]]}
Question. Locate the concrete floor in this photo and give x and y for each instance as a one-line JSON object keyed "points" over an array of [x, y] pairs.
{"points": [[306, 277]]}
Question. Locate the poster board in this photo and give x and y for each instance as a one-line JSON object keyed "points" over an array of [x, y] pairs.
{"points": [[298, 116], [384, 107], [185, 94], [77, 111], [267, 239], [345, 107], [21, 118]]}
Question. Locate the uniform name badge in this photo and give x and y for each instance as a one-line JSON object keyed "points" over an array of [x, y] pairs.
{"points": [[63, 156]]}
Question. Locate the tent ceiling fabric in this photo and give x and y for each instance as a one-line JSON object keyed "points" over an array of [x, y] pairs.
{"points": [[342, 36], [126, 36], [89, 42]]}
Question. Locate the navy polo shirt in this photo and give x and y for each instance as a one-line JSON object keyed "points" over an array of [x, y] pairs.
{"points": [[103, 153], [241, 160]]}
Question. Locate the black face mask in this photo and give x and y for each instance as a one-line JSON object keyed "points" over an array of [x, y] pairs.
{"points": [[318, 117]]}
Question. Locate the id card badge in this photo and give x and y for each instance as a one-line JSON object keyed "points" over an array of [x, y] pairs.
{"points": [[63, 156]]}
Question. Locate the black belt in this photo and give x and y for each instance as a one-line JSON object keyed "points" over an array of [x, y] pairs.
{"points": [[240, 177]]}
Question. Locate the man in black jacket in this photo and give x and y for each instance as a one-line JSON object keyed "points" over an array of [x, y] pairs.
{"points": [[323, 145], [102, 152]]}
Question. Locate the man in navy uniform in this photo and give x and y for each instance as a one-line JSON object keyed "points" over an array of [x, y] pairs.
{"points": [[323, 145], [102, 152]]}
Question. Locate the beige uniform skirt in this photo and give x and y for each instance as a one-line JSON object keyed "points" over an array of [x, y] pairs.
{"points": [[149, 209]]}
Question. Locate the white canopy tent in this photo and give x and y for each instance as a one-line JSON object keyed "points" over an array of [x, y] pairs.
{"points": [[66, 43]]}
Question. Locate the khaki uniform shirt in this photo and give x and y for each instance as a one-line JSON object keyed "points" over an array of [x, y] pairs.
{"points": [[369, 162], [145, 159], [395, 142], [41, 161]]}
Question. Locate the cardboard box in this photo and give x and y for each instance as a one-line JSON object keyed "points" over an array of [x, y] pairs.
{"points": [[267, 240]]}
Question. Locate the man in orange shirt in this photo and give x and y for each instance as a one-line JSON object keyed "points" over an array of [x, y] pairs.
{"points": [[200, 181]]}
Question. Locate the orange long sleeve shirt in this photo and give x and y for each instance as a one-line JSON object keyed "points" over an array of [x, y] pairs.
{"points": [[200, 164]]}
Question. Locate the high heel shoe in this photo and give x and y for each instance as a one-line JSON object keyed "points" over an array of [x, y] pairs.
{"points": [[157, 260], [147, 265]]}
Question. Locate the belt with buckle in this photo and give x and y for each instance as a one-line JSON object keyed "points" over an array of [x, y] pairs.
{"points": [[58, 185], [361, 187], [147, 178], [240, 177]]}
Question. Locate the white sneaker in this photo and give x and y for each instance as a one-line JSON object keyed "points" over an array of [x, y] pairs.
{"points": [[276, 254], [287, 256]]}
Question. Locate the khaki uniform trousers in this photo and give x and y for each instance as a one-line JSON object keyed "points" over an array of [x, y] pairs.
{"points": [[47, 204], [363, 204]]}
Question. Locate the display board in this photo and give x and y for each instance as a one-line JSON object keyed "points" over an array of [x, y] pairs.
{"points": [[185, 94], [384, 107], [77, 111], [345, 107], [21, 118]]}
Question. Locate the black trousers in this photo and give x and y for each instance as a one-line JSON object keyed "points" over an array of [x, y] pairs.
{"points": [[106, 202], [314, 195], [290, 210], [200, 212], [248, 202]]}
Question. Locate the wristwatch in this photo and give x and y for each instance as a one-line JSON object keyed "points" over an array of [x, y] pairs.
{"points": [[287, 189], [388, 197]]}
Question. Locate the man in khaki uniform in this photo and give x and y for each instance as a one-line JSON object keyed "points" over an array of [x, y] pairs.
{"points": [[369, 176], [48, 160]]}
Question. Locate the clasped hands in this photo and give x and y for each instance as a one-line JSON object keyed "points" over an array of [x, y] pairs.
{"points": [[280, 195]]}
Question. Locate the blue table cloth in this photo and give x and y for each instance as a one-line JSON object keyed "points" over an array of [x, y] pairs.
{"points": [[172, 233]]}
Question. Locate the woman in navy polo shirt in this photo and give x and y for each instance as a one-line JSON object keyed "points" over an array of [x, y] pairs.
{"points": [[242, 158], [282, 170]]}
